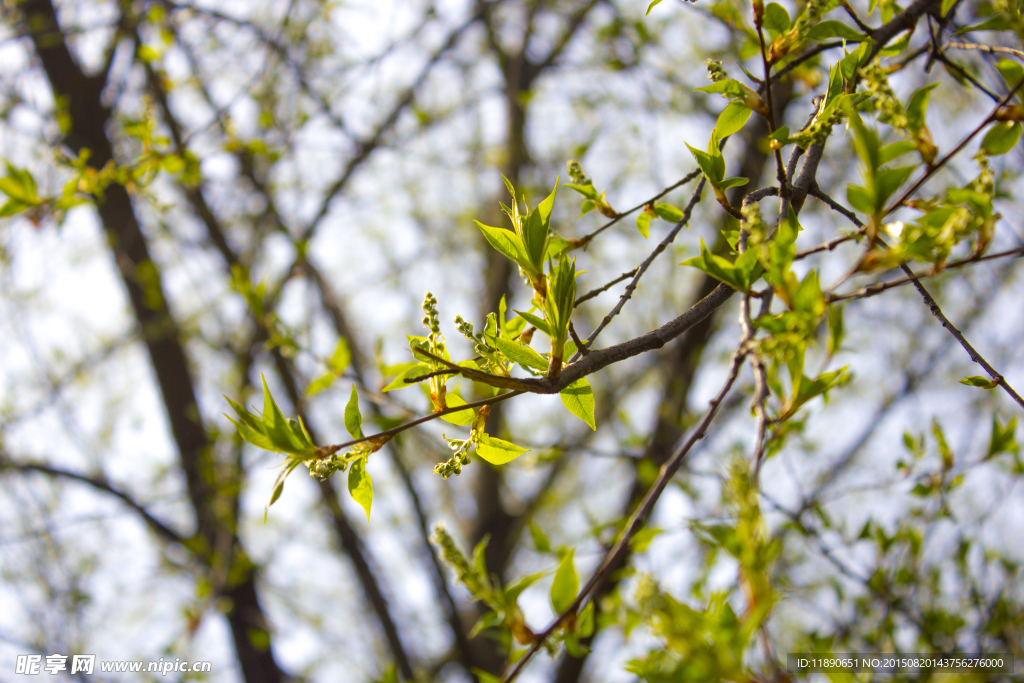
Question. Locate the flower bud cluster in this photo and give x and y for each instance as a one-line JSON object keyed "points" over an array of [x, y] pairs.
{"points": [[715, 71], [454, 465], [888, 107], [576, 173], [432, 323], [323, 468]]}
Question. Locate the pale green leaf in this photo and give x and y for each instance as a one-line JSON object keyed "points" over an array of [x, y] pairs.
{"points": [[565, 585], [578, 398], [360, 485], [497, 451], [353, 420]]}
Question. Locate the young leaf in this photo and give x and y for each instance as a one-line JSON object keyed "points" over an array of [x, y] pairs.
{"points": [[565, 585], [540, 539], [507, 243], [360, 486], [341, 357], [1001, 138], [522, 354], [732, 119], [668, 213], [643, 223], [740, 275], [463, 418], [776, 19], [353, 420], [536, 321], [980, 382], [706, 163], [319, 384], [652, 6], [834, 29], [578, 398], [1003, 438], [497, 451]]}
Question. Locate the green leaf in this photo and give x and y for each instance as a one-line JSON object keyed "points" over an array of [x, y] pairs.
{"points": [[780, 134], [512, 592], [536, 321], [341, 357], [728, 87], [565, 585], [256, 438], [1003, 438], [1012, 72], [896, 149], [865, 141], [888, 181], [668, 213], [733, 182], [643, 223], [578, 398], [507, 243], [497, 451], [521, 353], [360, 485], [406, 371], [809, 389], [732, 119], [997, 22], [740, 275], [585, 621], [319, 384], [463, 418], [946, 5], [353, 420], [860, 199], [276, 426], [588, 191], [486, 676], [652, 6], [706, 163], [1001, 138], [834, 314], [980, 382], [917, 106], [540, 539], [643, 538], [834, 29], [776, 19]]}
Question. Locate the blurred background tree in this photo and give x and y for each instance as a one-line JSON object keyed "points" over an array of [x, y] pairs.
{"points": [[198, 195]]}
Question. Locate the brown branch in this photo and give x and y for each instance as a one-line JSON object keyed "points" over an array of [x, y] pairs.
{"points": [[366, 147], [586, 239], [99, 483], [956, 150], [933, 306], [595, 360], [878, 288], [986, 48], [642, 268], [638, 518], [604, 288]]}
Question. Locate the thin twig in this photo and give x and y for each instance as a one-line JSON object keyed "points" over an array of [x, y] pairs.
{"points": [[639, 516], [878, 288], [963, 143], [986, 48], [586, 239], [642, 268], [933, 306], [601, 290]]}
